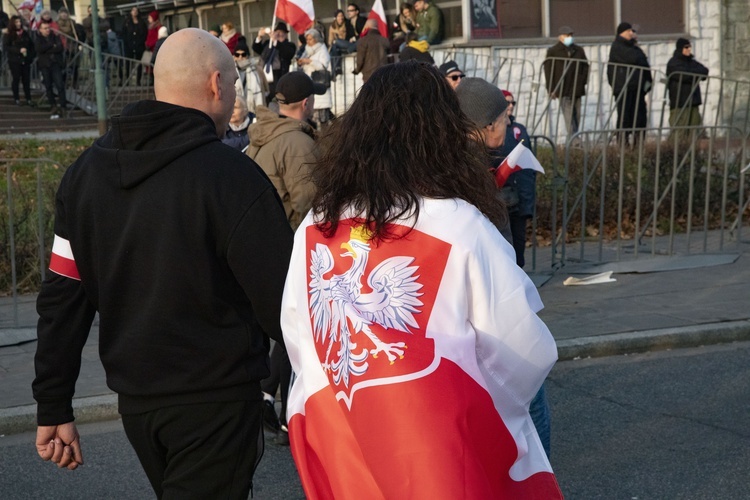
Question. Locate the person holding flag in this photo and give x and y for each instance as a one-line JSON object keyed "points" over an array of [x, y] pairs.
{"points": [[276, 53], [516, 177], [413, 334]]}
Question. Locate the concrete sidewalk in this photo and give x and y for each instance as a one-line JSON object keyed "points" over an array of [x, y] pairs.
{"points": [[638, 312]]}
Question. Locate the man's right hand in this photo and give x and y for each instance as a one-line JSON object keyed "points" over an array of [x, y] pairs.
{"points": [[61, 444]]}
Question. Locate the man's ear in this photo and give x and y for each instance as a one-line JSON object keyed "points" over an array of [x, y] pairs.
{"points": [[215, 85]]}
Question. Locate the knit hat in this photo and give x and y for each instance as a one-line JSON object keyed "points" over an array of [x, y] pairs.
{"points": [[296, 86], [448, 67], [480, 101], [682, 43], [507, 93], [154, 15], [624, 27]]}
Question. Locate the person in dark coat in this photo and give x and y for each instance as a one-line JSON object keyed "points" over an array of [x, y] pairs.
{"points": [[684, 92], [629, 82], [372, 51], [19, 51], [50, 61], [133, 35], [566, 71], [276, 53]]}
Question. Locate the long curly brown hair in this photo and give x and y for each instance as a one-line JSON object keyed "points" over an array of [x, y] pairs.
{"points": [[403, 139]]}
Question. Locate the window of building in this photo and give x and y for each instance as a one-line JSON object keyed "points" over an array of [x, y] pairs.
{"points": [[664, 16], [598, 21], [518, 18], [524, 18]]}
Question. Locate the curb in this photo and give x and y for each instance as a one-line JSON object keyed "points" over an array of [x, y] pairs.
{"points": [[87, 410], [99, 408], [653, 340]]}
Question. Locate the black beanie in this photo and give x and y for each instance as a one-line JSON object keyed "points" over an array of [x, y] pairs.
{"points": [[624, 27], [682, 43]]}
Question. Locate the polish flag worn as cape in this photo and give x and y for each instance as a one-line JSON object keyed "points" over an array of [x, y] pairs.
{"points": [[378, 13], [518, 159], [416, 360], [300, 14]]}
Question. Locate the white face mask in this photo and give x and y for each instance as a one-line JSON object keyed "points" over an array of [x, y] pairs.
{"points": [[568, 41]]}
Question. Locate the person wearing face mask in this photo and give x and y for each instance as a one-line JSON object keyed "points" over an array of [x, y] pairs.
{"points": [[566, 71]]}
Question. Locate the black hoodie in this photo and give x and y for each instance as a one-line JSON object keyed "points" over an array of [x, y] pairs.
{"points": [[182, 246]]}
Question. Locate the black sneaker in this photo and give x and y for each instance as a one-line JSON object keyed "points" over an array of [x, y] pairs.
{"points": [[270, 419]]}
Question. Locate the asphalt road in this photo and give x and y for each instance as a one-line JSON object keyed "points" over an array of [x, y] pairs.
{"points": [[666, 425]]}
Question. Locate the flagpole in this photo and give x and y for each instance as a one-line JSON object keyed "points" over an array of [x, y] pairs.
{"points": [[273, 22]]}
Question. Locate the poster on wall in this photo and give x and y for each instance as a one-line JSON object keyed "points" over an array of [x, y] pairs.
{"points": [[484, 19]]}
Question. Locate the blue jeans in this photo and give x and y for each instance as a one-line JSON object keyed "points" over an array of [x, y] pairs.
{"points": [[338, 48], [539, 410]]}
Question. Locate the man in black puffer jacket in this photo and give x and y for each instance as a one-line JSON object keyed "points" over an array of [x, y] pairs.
{"points": [[684, 92], [181, 244], [629, 82]]}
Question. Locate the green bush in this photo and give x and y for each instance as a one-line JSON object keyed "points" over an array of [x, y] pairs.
{"points": [[30, 172]]}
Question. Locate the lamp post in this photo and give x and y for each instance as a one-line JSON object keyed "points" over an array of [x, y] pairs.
{"points": [[101, 91]]}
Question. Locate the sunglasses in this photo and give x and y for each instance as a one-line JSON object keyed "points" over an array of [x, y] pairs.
{"points": [[512, 102], [456, 78], [240, 54]]}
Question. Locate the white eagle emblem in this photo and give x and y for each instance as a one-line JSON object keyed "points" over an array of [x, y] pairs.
{"points": [[340, 311]]}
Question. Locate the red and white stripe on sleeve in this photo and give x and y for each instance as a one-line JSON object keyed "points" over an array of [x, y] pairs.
{"points": [[62, 261]]}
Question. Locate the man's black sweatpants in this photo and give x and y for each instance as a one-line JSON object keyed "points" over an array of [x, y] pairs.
{"points": [[207, 450]]}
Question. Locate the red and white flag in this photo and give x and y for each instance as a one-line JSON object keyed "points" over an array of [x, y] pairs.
{"points": [[62, 261], [300, 14], [518, 159], [378, 14], [415, 362]]}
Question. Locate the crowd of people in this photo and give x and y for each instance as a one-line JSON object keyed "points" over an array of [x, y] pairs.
{"points": [[388, 272]]}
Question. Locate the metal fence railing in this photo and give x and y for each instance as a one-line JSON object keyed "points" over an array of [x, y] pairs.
{"points": [[27, 213]]}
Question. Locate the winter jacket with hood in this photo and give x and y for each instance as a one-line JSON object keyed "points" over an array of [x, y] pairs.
{"points": [[285, 149], [181, 245], [684, 89]]}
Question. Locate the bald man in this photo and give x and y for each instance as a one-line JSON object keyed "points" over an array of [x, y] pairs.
{"points": [[181, 244], [372, 51]]}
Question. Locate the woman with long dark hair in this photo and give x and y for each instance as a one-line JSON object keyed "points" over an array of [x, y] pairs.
{"points": [[412, 332], [19, 48]]}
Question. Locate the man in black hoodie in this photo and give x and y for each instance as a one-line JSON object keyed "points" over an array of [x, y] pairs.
{"points": [[181, 244], [684, 73], [628, 72]]}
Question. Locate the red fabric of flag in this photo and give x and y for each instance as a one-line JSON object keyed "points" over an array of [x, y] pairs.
{"points": [[519, 158]]}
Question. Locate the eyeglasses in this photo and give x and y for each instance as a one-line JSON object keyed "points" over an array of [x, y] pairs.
{"points": [[240, 54], [456, 78]]}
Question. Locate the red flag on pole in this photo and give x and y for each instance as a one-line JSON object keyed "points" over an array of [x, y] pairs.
{"points": [[518, 159], [300, 14], [378, 14]]}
